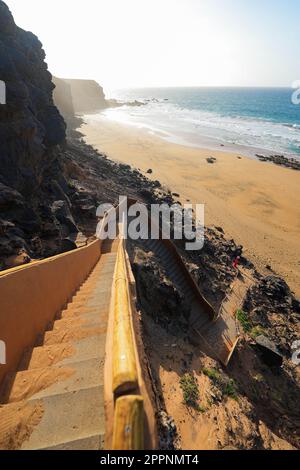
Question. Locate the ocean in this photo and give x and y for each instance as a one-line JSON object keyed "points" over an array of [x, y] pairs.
{"points": [[245, 120]]}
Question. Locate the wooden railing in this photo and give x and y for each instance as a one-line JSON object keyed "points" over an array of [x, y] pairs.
{"points": [[128, 433], [128, 407], [125, 378]]}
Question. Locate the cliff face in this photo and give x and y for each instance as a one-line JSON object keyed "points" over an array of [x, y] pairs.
{"points": [[49, 188], [75, 97], [87, 95], [31, 130], [30, 124], [63, 99]]}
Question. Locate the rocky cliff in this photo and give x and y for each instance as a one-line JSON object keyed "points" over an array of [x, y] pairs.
{"points": [[87, 95], [49, 187], [63, 99], [31, 133], [75, 97]]}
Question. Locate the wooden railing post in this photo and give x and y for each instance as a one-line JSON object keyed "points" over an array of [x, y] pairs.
{"points": [[128, 433]]}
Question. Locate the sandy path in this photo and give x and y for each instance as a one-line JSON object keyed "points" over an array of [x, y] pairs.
{"points": [[257, 204]]}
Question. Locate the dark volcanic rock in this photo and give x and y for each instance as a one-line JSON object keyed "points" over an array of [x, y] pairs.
{"points": [[211, 160], [29, 123], [272, 306], [212, 266], [31, 129], [9, 198], [153, 283], [275, 287], [63, 214], [280, 160], [268, 351]]}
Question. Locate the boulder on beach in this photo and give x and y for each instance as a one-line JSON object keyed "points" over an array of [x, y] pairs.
{"points": [[211, 160]]}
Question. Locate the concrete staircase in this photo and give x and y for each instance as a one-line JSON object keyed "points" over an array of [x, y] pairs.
{"points": [[63, 373], [218, 337], [198, 316]]}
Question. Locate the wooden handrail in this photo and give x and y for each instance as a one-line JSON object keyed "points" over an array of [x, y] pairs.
{"points": [[129, 409], [125, 376], [128, 431]]}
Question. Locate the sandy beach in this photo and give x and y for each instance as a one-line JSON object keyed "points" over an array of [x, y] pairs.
{"points": [[257, 204]]}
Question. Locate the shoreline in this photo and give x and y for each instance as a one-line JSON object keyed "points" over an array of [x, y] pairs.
{"points": [[257, 204], [174, 128]]}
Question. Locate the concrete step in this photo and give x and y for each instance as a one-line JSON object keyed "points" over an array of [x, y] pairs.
{"points": [[68, 418], [89, 319], [86, 374], [102, 286], [65, 353], [110, 246], [70, 334], [102, 298], [57, 380], [87, 443], [201, 323], [82, 311]]}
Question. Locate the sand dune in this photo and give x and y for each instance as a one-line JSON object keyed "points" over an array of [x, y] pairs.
{"points": [[257, 204]]}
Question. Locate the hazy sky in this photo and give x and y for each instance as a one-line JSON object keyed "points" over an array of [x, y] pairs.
{"points": [[128, 43]]}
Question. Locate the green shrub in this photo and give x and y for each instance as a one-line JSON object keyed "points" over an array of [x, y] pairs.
{"points": [[229, 389], [213, 374], [256, 331], [259, 378], [244, 320], [227, 386], [191, 395]]}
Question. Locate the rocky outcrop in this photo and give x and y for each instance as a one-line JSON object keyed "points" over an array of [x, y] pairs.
{"points": [[273, 308], [31, 131], [87, 96], [280, 160], [49, 190], [29, 123], [63, 99], [77, 97]]}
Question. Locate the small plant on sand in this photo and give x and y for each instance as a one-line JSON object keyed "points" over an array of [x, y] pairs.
{"points": [[256, 331], [258, 378], [201, 409], [191, 395], [227, 386], [229, 389], [244, 320], [212, 374]]}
